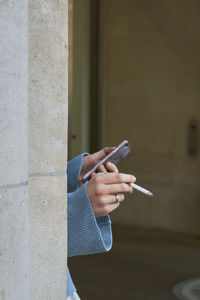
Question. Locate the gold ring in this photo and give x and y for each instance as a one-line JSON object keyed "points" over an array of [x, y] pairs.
{"points": [[117, 197]]}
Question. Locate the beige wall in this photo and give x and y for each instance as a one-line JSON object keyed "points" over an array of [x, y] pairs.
{"points": [[48, 92], [33, 149], [14, 196], [149, 89]]}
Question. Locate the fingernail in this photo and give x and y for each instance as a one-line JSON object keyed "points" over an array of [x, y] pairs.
{"points": [[134, 178]]}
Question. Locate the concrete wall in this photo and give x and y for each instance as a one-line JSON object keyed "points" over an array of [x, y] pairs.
{"points": [[149, 72], [33, 223], [48, 148], [14, 220]]}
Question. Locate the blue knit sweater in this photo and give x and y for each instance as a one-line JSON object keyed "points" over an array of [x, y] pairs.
{"points": [[86, 234]]}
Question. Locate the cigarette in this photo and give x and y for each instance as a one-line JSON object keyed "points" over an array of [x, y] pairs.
{"points": [[141, 189]]}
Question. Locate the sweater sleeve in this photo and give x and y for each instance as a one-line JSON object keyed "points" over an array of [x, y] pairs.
{"points": [[74, 167], [86, 234]]}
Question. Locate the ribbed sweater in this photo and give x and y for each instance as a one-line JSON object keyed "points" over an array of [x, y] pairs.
{"points": [[86, 234]]}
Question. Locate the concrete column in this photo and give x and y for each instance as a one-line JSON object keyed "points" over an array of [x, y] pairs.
{"points": [[14, 221], [48, 148]]}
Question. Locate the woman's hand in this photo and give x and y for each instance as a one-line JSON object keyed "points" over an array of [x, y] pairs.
{"points": [[90, 161], [105, 191]]}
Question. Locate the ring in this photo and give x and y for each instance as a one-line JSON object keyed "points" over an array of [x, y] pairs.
{"points": [[117, 197]]}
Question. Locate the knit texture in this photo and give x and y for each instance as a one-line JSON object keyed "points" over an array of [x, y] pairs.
{"points": [[86, 234]]}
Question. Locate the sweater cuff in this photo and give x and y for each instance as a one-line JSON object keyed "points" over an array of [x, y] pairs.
{"points": [[74, 167], [88, 234]]}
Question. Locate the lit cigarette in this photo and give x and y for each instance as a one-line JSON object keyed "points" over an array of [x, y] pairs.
{"points": [[141, 189]]}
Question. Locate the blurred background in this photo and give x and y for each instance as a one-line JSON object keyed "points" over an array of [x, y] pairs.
{"points": [[134, 73]]}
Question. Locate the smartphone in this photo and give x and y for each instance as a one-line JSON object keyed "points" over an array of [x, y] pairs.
{"points": [[114, 156]]}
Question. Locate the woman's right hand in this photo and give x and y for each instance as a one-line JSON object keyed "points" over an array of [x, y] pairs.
{"points": [[105, 191]]}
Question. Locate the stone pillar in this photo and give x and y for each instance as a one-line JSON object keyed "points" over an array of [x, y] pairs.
{"points": [[14, 221], [48, 148]]}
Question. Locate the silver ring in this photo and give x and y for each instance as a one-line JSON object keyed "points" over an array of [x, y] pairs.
{"points": [[117, 197]]}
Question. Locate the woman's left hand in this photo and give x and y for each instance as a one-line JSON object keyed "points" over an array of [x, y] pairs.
{"points": [[90, 161]]}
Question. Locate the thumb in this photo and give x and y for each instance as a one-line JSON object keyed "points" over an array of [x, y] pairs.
{"points": [[103, 152]]}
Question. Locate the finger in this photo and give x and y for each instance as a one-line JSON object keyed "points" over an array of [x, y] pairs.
{"points": [[107, 150], [117, 198], [113, 178], [111, 167], [102, 153], [102, 169], [93, 174], [117, 188], [110, 199], [112, 207]]}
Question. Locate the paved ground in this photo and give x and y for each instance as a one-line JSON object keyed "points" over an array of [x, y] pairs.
{"points": [[142, 265]]}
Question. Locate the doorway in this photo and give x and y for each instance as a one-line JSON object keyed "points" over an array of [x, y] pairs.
{"points": [[149, 91]]}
